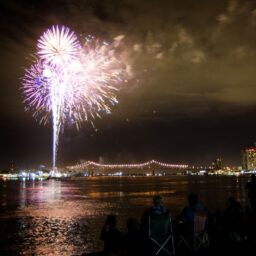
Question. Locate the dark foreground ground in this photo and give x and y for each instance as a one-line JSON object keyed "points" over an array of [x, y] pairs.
{"points": [[220, 244], [216, 248], [243, 248]]}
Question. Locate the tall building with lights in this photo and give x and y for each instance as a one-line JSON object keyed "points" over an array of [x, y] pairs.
{"points": [[217, 164], [249, 158]]}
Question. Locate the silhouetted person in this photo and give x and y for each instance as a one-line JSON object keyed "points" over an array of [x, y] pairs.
{"points": [[251, 186], [111, 236], [234, 220], [187, 215], [132, 239], [157, 210]]}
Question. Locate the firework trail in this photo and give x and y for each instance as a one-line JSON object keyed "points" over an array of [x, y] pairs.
{"points": [[70, 82]]}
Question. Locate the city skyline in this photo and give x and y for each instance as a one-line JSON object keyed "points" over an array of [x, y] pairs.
{"points": [[190, 96]]}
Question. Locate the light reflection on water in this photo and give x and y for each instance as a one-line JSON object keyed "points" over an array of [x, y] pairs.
{"points": [[65, 217]]}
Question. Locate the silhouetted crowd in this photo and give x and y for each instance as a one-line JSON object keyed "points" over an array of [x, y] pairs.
{"points": [[194, 229]]}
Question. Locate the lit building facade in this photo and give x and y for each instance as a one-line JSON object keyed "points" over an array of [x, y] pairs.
{"points": [[217, 164], [249, 158]]}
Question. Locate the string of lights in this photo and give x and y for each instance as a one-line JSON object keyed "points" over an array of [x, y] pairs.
{"points": [[140, 165]]}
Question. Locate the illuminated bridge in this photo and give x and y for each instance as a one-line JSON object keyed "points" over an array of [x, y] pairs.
{"points": [[152, 167]]}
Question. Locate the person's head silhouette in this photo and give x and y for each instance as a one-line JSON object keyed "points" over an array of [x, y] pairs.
{"points": [[158, 200], [192, 198], [111, 221]]}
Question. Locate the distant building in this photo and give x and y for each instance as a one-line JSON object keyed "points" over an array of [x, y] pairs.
{"points": [[217, 164], [249, 158]]}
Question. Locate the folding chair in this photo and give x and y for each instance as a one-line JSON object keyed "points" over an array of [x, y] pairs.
{"points": [[160, 233], [198, 236]]}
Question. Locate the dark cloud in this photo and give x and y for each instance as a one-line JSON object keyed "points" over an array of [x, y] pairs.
{"points": [[191, 62]]}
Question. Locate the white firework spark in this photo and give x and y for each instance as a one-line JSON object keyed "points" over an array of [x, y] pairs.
{"points": [[58, 45]]}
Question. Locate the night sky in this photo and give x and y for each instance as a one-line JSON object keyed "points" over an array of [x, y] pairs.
{"points": [[191, 94]]}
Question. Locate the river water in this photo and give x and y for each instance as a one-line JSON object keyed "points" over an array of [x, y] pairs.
{"points": [[65, 217]]}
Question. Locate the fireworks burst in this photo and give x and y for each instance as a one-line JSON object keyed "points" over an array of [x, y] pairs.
{"points": [[58, 46], [68, 82]]}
